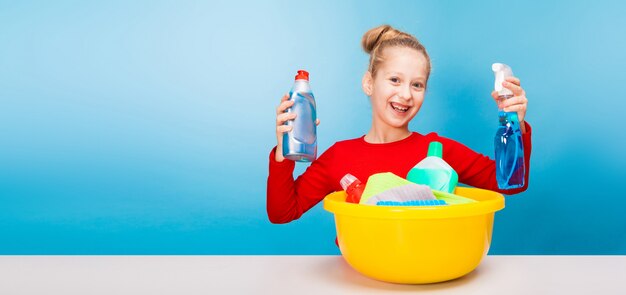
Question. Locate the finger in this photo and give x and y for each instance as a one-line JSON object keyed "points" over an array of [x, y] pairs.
{"points": [[515, 104], [515, 108], [283, 128], [282, 99], [317, 122], [513, 80], [494, 94], [517, 90], [283, 106], [515, 100], [497, 98], [283, 117]]}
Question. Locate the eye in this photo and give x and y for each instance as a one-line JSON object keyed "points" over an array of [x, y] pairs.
{"points": [[418, 85], [394, 80]]}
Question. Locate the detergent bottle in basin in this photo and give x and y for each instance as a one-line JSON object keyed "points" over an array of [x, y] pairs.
{"points": [[300, 144], [509, 148], [353, 187], [433, 171]]}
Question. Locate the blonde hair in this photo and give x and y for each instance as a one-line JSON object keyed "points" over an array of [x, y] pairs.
{"points": [[377, 39]]}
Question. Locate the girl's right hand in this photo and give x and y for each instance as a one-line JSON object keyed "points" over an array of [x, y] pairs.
{"points": [[281, 128]]}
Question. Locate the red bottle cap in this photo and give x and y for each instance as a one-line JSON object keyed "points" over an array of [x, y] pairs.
{"points": [[302, 75]]}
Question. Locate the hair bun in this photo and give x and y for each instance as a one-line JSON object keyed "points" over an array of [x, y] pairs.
{"points": [[374, 37], [377, 39]]}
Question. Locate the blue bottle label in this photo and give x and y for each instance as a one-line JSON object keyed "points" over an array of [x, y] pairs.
{"points": [[304, 124]]}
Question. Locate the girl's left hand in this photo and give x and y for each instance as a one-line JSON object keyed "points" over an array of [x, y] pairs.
{"points": [[518, 103]]}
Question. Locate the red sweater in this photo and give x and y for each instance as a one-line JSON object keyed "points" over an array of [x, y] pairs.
{"points": [[287, 199]]}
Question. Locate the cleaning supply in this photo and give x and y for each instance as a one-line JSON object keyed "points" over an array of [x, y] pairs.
{"points": [[300, 144], [509, 148], [404, 193], [412, 203], [353, 187], [433, 171], [416, 245], [452, 199], [380, 182]]}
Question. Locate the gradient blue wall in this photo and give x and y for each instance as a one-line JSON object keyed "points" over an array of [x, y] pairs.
{"points": [[145, 127]]}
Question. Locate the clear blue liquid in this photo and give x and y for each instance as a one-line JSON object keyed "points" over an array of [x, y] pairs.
{"points": [[509, 150], [300, 144]]}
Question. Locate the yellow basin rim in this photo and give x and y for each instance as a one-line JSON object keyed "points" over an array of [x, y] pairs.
{"points": [[489, 202]]}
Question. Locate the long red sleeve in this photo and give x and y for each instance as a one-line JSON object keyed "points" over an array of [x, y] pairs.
{"points": [[287, 199]]}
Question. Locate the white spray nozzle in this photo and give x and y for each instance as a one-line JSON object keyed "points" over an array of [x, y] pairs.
{"points": [[347, 180], [501, 71]]}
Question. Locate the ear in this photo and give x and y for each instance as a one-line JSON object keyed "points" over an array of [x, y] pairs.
{"points": [[368, 83]]}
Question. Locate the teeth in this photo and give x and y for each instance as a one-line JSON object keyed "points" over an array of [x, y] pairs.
{"points": [[399, 109]]}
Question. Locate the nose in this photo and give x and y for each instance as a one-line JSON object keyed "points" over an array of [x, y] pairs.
{"points": [[404, 93]]}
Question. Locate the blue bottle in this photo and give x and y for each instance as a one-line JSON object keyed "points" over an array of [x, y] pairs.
{"points": [[300, 144], [509, 148]]}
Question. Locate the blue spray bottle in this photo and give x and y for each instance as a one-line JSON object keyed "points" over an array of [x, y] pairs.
{"points": [[300, 144], [509, 148]]}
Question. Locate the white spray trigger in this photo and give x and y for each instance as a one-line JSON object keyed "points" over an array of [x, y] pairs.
{"points": [[501, 72]]}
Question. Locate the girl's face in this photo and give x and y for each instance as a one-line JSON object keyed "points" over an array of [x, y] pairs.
{"points": [[397, 91]]}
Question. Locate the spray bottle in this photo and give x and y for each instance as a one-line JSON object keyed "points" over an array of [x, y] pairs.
{"points": [[353, 187], [509, 148], [300, 144]]}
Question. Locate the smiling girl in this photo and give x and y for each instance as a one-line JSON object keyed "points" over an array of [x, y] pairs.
{"points": [[395, 82]]}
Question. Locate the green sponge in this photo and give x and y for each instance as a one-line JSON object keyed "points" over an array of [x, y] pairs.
{"points": [[452, 199], [380, 182]]}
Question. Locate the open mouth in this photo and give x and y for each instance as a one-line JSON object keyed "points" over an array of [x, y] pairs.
{"points": [[399, 107]]}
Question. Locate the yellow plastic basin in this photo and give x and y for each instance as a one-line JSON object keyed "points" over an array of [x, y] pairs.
{"points": [[415, 245]]}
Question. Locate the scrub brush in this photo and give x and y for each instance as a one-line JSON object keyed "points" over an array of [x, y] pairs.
{"points": [[404, 193], [413, 203]]}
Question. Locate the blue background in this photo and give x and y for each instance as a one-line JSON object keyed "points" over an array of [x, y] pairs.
{"points": [[145, 127]]}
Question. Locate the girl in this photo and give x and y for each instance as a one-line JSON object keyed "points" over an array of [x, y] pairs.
{"points": [[395, 82]]}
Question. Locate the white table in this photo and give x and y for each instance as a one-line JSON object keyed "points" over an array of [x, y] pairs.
{"points": [[296, 275]]}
